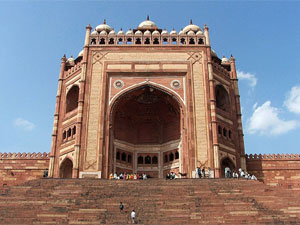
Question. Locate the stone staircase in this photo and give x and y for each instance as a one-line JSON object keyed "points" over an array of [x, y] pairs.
{"points": [[156, 201]]}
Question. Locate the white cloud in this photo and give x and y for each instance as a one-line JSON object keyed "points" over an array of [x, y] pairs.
{"points": [[24, 124], [292, 101], [248, 77], [265, 121]]}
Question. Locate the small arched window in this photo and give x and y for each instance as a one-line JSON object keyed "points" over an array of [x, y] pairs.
{"points": [[111, 41], [166, 158], [176, 155], [129, 41], [129, 158], [120, 41], [147, 159], [171, 157], [140, 160], [72, 98], [219, 130], [229, 134], [102, 41], [154, 160], [222, 98], [224, 132], [192, 41], [69, 132], [165, 41], [93, 42], [138, 41], [64, 135], [74, 130], [182, 41], [200, 41], [147, 41], [174, 41], [118, 155], [156, 41], [124, 156]]}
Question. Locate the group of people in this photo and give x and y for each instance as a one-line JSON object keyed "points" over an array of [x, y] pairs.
{"points": [[128, 176], [200, 173], [242, 174], [171, 176]]}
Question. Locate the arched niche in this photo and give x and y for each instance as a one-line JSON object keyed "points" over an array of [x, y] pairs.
{"points": [[226, 164], [66, 167], [222, 98], [72, 99]]}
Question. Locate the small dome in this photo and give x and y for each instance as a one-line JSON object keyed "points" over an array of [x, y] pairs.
{"points": [[199, 33], [181, 32], [225, 60], [103, 26], [156, 32], [164, 32], [192, 27], [129, 32], [71, 61], [138, 32], [103, 32], [121, 32], [147, 24], [94, 32], [147, 32], [112, 33], [191, 33], [80, 54], [213, 53], [173, 32]]}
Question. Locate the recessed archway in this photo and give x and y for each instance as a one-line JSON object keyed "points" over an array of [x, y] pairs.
{"points": [[227, 164], [145, 120], [66, 168]]}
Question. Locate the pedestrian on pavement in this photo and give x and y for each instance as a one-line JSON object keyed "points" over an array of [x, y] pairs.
{"points": [[121, 207], [133, 215]]}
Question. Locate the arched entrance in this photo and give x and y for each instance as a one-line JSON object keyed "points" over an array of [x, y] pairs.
{"points": [[226, 165], [66, 168], [145, 128]]}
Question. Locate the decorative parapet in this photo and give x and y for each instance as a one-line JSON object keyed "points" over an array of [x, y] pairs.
{"points": [[146, 38], [74, 69], [273, 157], [24, 155]]}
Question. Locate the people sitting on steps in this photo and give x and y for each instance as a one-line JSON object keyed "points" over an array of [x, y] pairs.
{"points": [[128, 176]]}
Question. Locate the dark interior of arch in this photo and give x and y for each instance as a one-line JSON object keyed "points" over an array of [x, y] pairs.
{"points": [[72, 98], [146, 116], [222, 98], [66, 169]]}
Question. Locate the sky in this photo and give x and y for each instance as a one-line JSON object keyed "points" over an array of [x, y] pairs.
{"points": [[263, 36]]}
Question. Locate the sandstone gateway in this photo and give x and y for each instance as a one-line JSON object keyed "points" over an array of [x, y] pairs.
{"points": [[147, 100]]}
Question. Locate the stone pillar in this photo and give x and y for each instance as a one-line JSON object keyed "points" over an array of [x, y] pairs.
{"points": [[53, 172], [81, 104], [234, 79], [214, 152]]}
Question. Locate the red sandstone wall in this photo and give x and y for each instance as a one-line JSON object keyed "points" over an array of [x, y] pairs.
{"points": [[276, 170], [19, 168]]}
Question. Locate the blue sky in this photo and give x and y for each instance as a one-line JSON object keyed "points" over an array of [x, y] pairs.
{"points": [[262, 36]]}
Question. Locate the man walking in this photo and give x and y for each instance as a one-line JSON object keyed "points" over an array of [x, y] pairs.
{"points": [[121, 207], [133, 215]]}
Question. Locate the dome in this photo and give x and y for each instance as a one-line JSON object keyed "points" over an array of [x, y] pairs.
{"points": [[71, 61], [181, 32], [191, 33], [164, 32], [94, 32], [112, 32], [121, 32], [103, 32], [155, 32], [80, 54], [173, 32], [213, 53], [138, 32], [147, 24], [147, 32], [129, 32], [225, 60], [103, 26], [199, 32], [192, 27]]}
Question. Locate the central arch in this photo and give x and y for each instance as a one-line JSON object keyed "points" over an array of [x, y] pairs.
{"points": [[145, 129]]}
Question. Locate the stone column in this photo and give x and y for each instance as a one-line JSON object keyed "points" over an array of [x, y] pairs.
{"points": [[53, 171], [81, 104], [234, 80]]}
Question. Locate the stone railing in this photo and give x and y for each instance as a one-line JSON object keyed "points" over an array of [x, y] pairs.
{"points": [[73, 69], [273, 156], [24, 155], [146, 40]]}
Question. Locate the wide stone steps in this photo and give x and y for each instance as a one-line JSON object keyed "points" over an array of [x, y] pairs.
{"points": [[156, 201]]}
